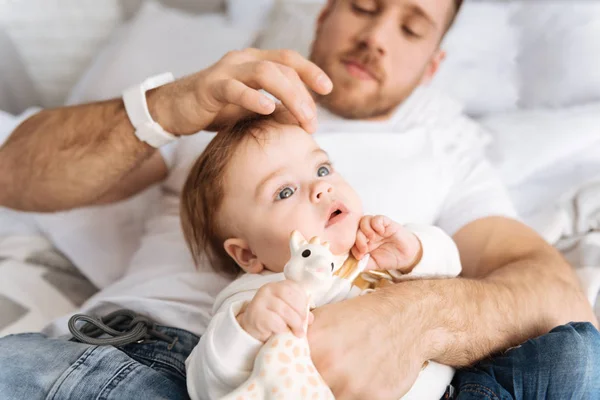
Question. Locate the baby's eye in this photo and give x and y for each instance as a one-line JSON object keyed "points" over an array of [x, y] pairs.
{"points": [[285, 193], [323, 171]]}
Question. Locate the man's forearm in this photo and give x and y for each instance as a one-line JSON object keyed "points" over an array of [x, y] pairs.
{"points": [[68, 157], [469, 319]]}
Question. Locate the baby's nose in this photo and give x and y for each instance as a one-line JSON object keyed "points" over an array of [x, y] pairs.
{"points": [[320, 190]]}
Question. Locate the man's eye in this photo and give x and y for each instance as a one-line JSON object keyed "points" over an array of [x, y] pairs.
{"points": [[409, 32], [323, 171], [361, 10], [285, 193]]}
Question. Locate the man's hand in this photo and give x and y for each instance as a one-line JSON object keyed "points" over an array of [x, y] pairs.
{"points": [[276, 308], [228, 90], [357, 353], [390, 245]]}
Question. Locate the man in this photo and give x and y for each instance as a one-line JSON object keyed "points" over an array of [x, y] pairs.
{"points": [[376, 52]]}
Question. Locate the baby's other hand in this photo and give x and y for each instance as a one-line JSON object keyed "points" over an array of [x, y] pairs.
{"points": [[390, 245], [277, 307]]}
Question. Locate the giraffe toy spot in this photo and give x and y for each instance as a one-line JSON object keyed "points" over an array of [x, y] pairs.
{"points": [[288, 382], [299, 368], [284, 358], [288, 343], [304, 391], [283, 371], [296, 351], [275, 343], [313, 381]]}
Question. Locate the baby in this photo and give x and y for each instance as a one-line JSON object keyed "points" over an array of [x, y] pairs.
{"points": [[253, 185]]}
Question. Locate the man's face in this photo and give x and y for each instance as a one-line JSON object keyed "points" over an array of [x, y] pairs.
{"points": [[284, 182], [377, 52]]}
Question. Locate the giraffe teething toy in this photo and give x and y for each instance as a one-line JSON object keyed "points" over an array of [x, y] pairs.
{"points": [[283, 368]]}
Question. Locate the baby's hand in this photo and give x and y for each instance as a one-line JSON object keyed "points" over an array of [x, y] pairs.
{"points": [[390, 245], [276, 308]]}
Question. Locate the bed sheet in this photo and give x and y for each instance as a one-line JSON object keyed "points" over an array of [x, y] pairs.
{"points": [[562, 203], [539, 197]]}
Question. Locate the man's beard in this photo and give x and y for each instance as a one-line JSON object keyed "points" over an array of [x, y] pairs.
{"points": [[370, 105]]}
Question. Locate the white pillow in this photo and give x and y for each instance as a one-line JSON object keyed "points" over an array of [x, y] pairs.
{"points": [[480, 68], [528, 141], [57, 39], [16, 88], [252, 14], [131, 7], [560, 52], [291, 26], [482, 46], [156, 40]]}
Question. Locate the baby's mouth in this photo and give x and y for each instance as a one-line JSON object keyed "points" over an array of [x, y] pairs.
{"points": [[337, 212]]}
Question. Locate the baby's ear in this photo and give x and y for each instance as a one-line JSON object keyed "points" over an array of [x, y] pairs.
{"points": [[239, 250]]}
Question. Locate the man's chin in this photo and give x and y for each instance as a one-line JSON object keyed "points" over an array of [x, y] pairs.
{"points": [[350, 107]]}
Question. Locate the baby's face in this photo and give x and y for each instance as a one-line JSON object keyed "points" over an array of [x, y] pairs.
{"points": [[285, 182]]}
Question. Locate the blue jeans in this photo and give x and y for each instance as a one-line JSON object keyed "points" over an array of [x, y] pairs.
{"points": [[563, 364], [33, 366]]}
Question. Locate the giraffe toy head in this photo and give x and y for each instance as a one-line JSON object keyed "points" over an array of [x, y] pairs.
{"points": [[283, 368], [311, 264]]}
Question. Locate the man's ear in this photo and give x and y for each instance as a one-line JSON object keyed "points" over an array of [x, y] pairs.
{"points": [[239, 250], [433, 66]]}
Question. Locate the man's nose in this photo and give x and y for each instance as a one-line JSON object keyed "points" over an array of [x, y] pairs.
{"points": [[320, 190], [375, 34]]}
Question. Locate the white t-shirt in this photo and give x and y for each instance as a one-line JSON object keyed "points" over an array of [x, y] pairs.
{"points": [[425, 165], [224, 357]]}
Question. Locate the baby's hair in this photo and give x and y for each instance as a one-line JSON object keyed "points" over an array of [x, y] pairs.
{"points": [[203, 194]]}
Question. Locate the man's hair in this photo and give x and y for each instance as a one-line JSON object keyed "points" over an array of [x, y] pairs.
{"points": [[457, 5], [204, 191]]}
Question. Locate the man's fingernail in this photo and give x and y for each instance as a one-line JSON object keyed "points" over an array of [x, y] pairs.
{"points": [[324, 82], [265, 102], [307, 111]]}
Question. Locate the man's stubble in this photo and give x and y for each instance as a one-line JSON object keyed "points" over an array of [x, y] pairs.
{"points": [[346, 100]]}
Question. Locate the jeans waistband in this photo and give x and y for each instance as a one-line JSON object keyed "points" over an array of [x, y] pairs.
{"points": [[173, 354]]}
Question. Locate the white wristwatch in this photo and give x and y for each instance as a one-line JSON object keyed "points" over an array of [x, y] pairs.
{"points": [[146, 129]]}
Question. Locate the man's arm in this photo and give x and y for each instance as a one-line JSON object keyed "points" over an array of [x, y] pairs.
{"points": [[76, 156], [514, 286], [67, 157]]}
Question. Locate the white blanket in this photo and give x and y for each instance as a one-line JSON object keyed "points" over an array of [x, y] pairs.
{"points": [[577, 220], [37, 284]]}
